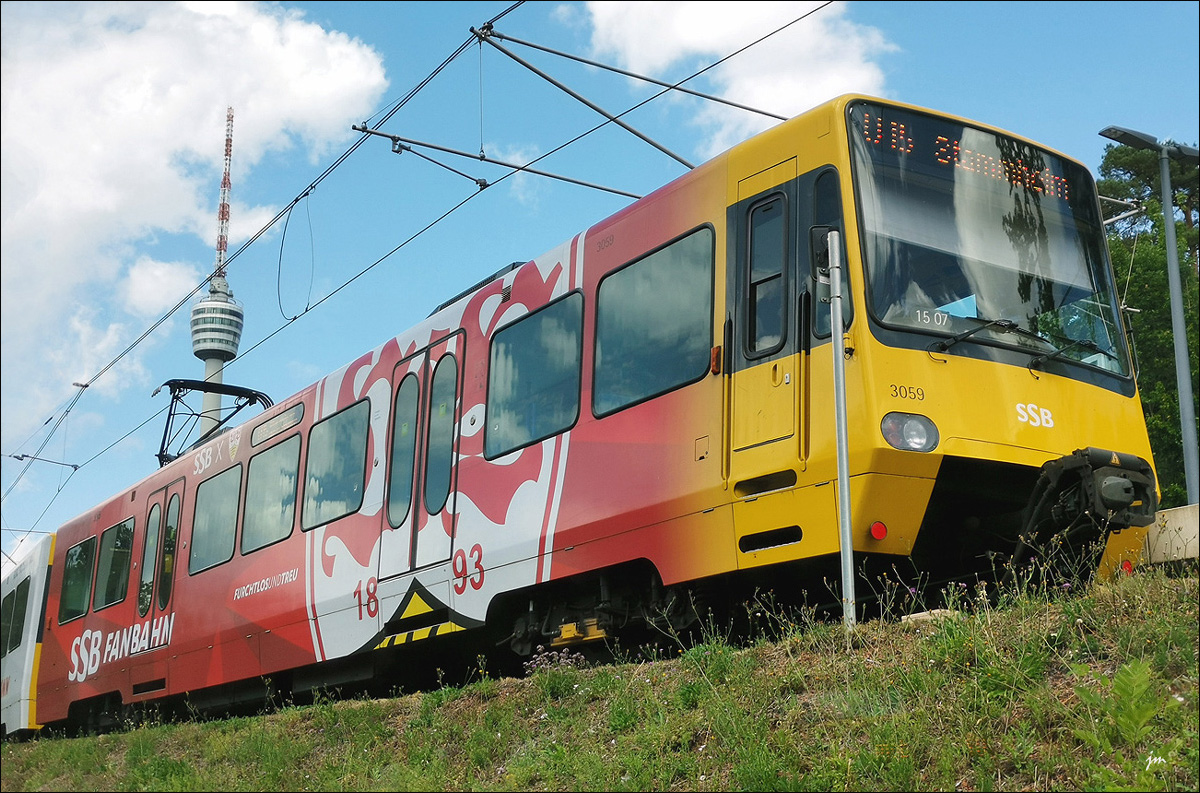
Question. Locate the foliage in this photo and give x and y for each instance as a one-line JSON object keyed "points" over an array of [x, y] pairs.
{"points": [[1119, 717], [1140, 262], [1130, 174]]}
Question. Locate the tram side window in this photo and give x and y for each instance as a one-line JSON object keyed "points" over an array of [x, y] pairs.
{"points": [[533, 377], [215, 523], [112, 574], [654, 322], [149, 560], [271, 495], [768, 252], [77, 580], [335, 475], [13, 617]]}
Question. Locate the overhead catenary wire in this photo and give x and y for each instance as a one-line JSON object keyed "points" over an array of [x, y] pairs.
{"points": [[312, 186], [62, 485], [24, 534], [678, 86], [615, 119], [395, 108], [401, 145], [312, 265], [487, 30]]}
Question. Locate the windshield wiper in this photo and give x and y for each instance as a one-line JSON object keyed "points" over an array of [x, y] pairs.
{"points": [[1086, 344], [1005, 325]]}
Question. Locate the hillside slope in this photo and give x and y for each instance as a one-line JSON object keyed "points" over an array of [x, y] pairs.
{"points": [[1021, 691]]}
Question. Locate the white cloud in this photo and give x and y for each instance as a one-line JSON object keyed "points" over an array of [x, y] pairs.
{"points": [[111, 117], [524, 188], [154, 287], [815, 59], [111, 121]]}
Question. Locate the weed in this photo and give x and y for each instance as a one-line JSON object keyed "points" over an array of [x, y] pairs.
{"points": [[555, 671], [543, 660], [1118, 723]]}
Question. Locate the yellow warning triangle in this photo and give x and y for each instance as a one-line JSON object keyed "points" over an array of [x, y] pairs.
{"points": [[415, 606]]}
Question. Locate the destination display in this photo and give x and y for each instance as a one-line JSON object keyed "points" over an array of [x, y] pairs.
{"points": [[934, 144]]}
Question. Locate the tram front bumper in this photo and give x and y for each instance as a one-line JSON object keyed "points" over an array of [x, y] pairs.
{"points": [[1115, 489]]}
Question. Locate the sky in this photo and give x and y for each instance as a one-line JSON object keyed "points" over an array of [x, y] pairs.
{"points": [[113, 142]]}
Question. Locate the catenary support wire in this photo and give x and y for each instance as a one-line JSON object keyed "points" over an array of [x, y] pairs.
{"points": [[673, 86], [395, 108], [592, 105], [401, 145]]}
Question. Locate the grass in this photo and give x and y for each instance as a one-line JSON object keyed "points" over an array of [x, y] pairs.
{"points": [[1021, 689]]}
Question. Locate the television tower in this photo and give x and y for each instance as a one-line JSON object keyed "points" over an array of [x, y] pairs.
{"points": [[217, 319]]}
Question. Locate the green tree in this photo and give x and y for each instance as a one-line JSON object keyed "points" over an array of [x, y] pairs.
{"points": [[1140, 261]]}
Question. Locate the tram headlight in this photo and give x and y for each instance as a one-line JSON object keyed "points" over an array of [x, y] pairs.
{"points": [[909, 432]]}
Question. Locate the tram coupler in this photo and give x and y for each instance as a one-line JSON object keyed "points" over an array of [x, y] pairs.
{"points": [[1078, 502], [1117, 490]]}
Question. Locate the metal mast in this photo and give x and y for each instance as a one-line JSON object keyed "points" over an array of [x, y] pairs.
{"points": [[217, 319], [223, 209]]}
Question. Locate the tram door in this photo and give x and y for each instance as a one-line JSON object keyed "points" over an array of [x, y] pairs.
{"points": [[419, 520], [765, 388], [155, 575]]}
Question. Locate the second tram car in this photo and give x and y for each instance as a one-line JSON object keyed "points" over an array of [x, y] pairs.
{"points": [[639, 424], [23, 590]]}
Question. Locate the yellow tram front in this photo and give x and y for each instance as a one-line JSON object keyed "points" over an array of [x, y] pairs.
{"points": [[987, 352]]}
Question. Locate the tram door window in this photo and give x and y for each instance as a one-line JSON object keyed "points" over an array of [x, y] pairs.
{"points": [[396, 543], [767, 254], [443, 392], [404, 450], [166, 565], [149, 559], [827, 211], [434, 532]]}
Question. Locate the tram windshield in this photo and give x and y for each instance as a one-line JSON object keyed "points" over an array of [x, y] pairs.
{"points": [[975, 236]]}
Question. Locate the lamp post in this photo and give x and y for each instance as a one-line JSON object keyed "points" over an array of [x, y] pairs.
{"points": [[1183, 379]]}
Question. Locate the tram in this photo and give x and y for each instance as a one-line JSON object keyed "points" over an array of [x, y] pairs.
{"points": [[639, 426]]}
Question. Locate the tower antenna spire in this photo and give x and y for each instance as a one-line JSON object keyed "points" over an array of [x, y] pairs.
{"points": [[217, 319], [223, 208]]}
